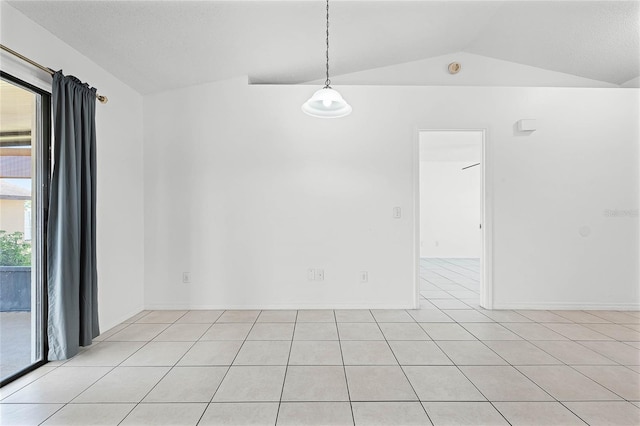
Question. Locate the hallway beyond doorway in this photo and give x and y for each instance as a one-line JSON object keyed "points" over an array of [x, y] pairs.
{"points": [[450, 283]]}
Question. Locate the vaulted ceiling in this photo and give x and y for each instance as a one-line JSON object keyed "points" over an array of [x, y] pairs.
{"points": [[161, 45]]}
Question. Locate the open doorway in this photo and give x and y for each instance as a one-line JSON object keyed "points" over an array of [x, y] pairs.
{"points": [[451, 228]]}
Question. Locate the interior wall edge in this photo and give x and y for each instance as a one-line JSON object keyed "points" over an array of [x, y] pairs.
{"points": [[120, 319]]}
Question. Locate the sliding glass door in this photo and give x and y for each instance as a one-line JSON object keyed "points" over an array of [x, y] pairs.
{"points": [[25, 129]]}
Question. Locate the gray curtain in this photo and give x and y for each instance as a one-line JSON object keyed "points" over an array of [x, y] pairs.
{"points": [[71, 231]]}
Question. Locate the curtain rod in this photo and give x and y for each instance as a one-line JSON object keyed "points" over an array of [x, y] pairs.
{"points": [[103, 99]]}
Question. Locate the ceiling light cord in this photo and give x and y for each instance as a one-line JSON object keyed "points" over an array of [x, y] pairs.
{"points": [[326, 102], [327, 83]]}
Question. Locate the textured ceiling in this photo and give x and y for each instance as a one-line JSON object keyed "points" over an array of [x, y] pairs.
{"points": [[161, 45]]}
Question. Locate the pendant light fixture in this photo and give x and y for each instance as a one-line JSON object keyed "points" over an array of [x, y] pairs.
{"points": [[326, 102]]}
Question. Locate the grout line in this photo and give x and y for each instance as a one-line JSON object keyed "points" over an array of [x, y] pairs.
{"points": [[423, 271], [165, 375], [401, 367], [232, 361], [344, 367], [286, 369], [453, 364]]}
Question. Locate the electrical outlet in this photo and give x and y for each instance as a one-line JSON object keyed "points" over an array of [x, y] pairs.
{"points": [[319, 274], [397, 212], [311, 274], [363, 277], [186, 277]]}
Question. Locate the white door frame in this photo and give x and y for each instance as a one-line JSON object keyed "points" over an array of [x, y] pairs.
{"points": [[486, 262]]}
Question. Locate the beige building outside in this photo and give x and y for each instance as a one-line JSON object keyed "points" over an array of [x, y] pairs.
{"points": [[15, 209]]}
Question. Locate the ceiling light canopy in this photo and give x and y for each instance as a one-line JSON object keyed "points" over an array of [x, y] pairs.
{"points": [[327, 102]]}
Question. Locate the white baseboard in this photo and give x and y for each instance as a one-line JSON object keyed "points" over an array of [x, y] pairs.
{"points": [[569, 306], [184, 306], [496, 306]]}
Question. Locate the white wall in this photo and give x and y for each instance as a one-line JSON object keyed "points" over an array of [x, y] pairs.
{"points": [[450, 209], [246, 192], [119, 136]]}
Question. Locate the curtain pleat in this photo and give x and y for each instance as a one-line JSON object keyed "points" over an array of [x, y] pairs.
{"points": [[71, 227]]}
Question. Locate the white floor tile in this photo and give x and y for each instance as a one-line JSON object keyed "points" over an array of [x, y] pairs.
{"points": [[18, 384], [442, 384], [419, 353], [271, 331], [315, 331], [467, 315], [354, 315], [615, 351], [470, 353], [158, 354], [521, 353], [620, 380], [315, 413], [263, 353], [616, 331], [240, 414], [576, 332], [464, 414], [90, 414], [26, 414], [367, 353], [317, 383], [445, 331], [571, 352], [543, 316], [203, 316], [532, 331], [59, 386], [489, 331], [402, 331], [504, 384], [187, 384], [606, 413], [239, 316], [389, 414], [287, 366], [310, 352], [123, 384], [205, 353], [161, 317], [251, 384], [566, 384], [138, 333], [380, 383], [227, 331], [391, 315], [430, 315], [538, 413], [278, 316], [316, 315], [165, 414], [182, 333], [359, 331]]}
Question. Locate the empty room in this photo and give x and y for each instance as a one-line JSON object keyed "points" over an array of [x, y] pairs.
{"points": [[319, 212]]}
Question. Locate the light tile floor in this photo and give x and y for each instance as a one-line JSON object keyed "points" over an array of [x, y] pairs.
{"points": [[449, 362]]}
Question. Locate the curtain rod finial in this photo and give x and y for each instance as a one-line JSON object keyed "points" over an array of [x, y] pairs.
{"points": [[103, 99]]}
